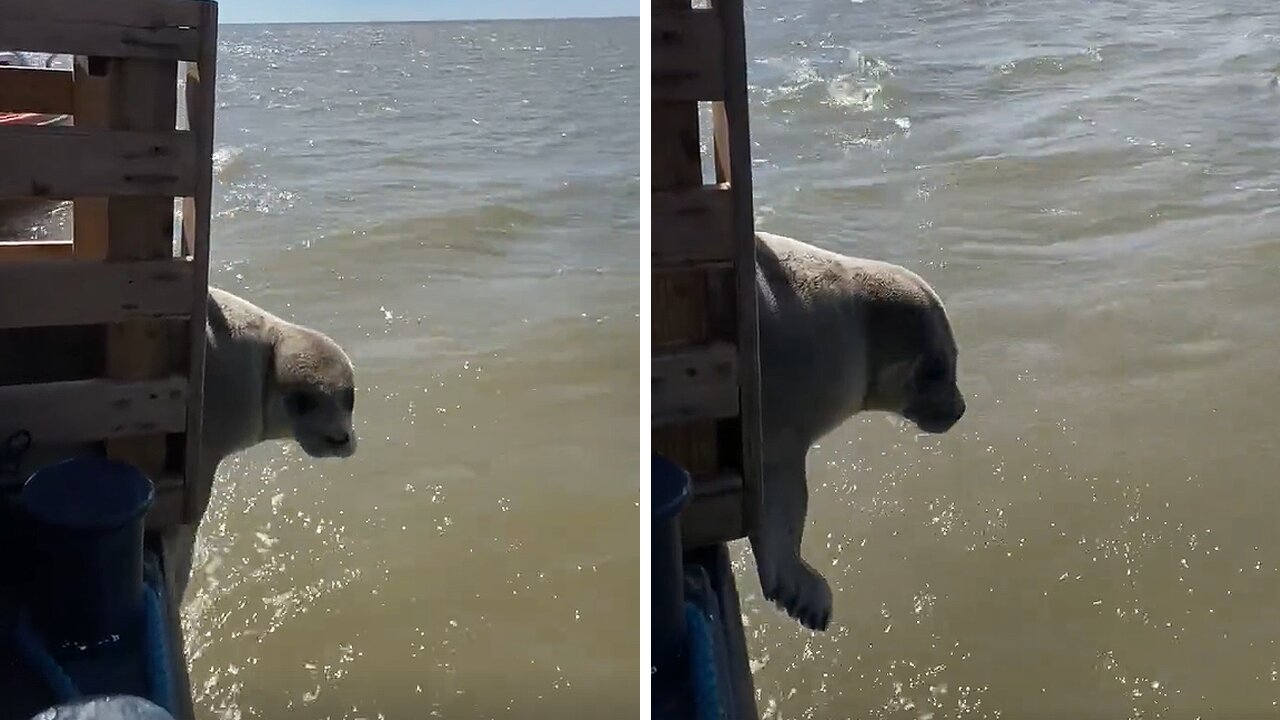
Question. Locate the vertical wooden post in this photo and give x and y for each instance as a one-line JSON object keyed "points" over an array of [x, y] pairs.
{"points": [[90, 105], [141, 95], [733, 155], [681, 299], [200, 101], [704, 296], [706, 373]]}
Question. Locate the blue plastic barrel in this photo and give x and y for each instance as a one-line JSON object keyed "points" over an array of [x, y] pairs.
{"points": [[87, 519], [670, 493]]}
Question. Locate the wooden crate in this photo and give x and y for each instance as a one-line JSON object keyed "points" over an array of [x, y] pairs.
{"points": [[102, 337], [706, 373]]}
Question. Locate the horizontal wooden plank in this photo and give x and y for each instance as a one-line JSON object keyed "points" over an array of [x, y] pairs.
{"points": [[35, 90], [80, 411], [715, 514], [100, 39], [688, 55], [159, 29], [693, 227], [89, 293], [68, 162], [126, 13], [35, 250], [695, 384]]}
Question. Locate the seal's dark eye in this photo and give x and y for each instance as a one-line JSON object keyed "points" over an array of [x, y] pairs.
{"points": [[300, 403], [932, 372]]}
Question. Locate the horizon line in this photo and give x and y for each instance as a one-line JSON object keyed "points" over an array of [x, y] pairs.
{"points": [[449, 20]]}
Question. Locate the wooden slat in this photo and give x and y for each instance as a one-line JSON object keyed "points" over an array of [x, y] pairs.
{"points": [[161, 29], [75, 293], [687, 56], [125, 13], [692, 227], [78, 411], [680, 297], [676, 153], [34, 250], [696, 384], [679, 307], [716, 514], [65, 162], [200, 99], [694, 443], [141, 95], [101, 40], [720, 143], [91, 109], [35, 90], [737, 136]]}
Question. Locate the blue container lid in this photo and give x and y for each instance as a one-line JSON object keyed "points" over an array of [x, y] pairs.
{"points": [[87, 493], [671, 487]]}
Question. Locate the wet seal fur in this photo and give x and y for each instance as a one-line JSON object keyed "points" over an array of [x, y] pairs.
{"points": [[265, 379], [839, 335]]}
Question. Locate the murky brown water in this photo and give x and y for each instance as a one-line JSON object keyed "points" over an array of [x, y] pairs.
{"points": [[1092, 187], [458, 205]]}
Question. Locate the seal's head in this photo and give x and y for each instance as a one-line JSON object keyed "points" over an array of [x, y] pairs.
{"points": [[313, 393], [912, 352]]}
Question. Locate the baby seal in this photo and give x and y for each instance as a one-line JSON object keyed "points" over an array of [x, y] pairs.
{"points": [[838, 336], [265, 379]]}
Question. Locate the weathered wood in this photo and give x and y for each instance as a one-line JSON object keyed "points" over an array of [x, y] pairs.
{"points": [[695, 384], [142, 96], [676, 154], [77, 293], [200, 102], [680, 296], [687, 60], [716, 512], [35, 90], [158, 29], [145, 14], [99, 40], [692, 227], [693, 442], [78, 411], [91, 109], [720, 143], [50, 354], [679, 307], [738, 136], [65, 162], [707, 303], [36, 250]]}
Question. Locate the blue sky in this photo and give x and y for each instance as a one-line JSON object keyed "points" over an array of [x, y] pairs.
{"points": [[252, 11]]}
